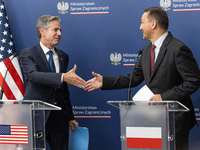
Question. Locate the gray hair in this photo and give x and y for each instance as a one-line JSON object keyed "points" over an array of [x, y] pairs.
{"points": [[44, 22]]}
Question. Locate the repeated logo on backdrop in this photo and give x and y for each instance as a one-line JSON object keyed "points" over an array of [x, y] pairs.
{"points": [[115, 58], [180, 5], [63, 7], [84, 8], [165, 4], [126, 59], [81, 8]]}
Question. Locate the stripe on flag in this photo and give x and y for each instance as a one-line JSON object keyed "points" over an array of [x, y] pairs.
{"points": [[144, 137], [13, 85], [14, 134]]}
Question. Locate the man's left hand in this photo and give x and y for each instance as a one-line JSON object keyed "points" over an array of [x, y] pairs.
{"points": [[156, 97], [72, 124]]}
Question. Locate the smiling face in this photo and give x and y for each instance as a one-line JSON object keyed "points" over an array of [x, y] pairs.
{"points": [[146, 27], [52, 35]]}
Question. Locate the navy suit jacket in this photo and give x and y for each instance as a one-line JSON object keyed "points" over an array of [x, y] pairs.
{"points": [[42, 84], [175, 76]]}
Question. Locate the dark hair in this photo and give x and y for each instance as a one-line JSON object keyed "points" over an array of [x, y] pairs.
{"points": [[158, 14]]}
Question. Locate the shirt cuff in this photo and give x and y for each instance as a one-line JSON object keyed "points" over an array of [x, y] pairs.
{"points": [[62, 78]]}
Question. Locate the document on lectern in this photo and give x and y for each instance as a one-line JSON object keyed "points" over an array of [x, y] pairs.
{"points": [[144, 94]]}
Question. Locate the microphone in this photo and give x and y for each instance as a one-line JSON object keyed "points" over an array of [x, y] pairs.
{"points": [[1, 91], [129, 89]]}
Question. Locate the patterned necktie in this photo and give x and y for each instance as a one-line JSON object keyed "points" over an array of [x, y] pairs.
{"points": [[152, 57], [51, 63]]}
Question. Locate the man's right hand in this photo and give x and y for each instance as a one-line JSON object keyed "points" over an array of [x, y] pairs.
{"points": [[94, 83], [71, 78]]}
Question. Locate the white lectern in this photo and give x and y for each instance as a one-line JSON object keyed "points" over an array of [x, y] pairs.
{"points": [[22, 124], [148, 125]]}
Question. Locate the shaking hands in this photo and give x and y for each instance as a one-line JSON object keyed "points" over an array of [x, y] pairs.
{"points": [[94, 83], [72, 78]]}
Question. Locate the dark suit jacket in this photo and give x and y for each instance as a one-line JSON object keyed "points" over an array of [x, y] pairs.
{"points": [[175, 76], [42, 84]]}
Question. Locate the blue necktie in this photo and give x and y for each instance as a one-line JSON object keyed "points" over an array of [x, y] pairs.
{"points": [[51, 63]]}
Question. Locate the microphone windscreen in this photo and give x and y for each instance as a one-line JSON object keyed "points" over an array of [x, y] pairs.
{"points": [[15, 54], [139, 52]]}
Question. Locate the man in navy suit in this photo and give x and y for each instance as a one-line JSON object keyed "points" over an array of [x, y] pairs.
{"points": [[51, 87], [175, 75]]}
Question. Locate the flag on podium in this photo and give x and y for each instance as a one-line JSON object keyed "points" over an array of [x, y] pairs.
{"points": [[14, 134], [144, 137], [13, 85]]}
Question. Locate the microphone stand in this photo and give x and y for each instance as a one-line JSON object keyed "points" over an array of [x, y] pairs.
{"points": [[129, 89], [1, 91]]}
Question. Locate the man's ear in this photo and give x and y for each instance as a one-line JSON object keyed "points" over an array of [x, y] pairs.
{"points": [[42, 31], [154, 24]]}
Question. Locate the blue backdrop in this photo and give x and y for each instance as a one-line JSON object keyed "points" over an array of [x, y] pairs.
{"points": [[91, 31]]}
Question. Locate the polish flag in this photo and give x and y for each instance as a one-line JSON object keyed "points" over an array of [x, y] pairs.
{"points": [[144, 137]]}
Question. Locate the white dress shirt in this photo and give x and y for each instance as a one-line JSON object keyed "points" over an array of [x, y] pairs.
{"points": [[158, 44], [55, 58]]}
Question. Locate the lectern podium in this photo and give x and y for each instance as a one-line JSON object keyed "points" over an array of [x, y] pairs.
{"points": [[148, 125], [22, 124]]}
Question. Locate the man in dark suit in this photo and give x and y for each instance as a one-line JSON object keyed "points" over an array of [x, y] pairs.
{"points": [[50, 84], [174, 74]]}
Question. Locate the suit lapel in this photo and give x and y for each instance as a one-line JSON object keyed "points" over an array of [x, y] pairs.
{"points": [[148, 59], [159, 59], [41, 57], [161, 54], [60, 59]]}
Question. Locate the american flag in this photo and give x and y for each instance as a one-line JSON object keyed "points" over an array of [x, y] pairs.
{"points": [[14, 134], [13, 85]]}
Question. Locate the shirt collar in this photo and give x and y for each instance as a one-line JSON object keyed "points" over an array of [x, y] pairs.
{"points": [[159, 41], [45, 49]]}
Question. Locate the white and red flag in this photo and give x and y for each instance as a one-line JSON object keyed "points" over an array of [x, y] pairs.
{"points": [[144, 137], [13, 85]]}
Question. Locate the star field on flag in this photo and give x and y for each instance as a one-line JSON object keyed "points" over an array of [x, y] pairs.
{"points": [[13, 85]]}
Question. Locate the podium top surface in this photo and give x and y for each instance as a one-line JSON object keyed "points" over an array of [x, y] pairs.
{"points": [[171, 105], [35, 104]]}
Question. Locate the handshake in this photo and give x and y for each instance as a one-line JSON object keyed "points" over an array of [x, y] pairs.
{"points": [[71, 78]]}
